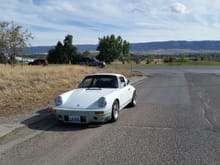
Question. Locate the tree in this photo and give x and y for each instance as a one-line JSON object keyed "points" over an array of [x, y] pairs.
{"points": [[137, 59], [204, 58], [3, 59], [111, 48], [13, 39], [69, 50], [63, 53], [150, 59], [183, 59], [169, 59], [125, 51], [3, 38], [55, 54], [126, 48]]}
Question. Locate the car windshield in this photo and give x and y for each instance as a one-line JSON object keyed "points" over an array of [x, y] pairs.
{"points": [[99, 81]]}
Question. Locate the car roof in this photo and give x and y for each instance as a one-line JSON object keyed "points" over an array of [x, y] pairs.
{"points": [[108, 74]]}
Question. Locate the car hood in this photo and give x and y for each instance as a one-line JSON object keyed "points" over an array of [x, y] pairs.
{"points": [[85, 98]]}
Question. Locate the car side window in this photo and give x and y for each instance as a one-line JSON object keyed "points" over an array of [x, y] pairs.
{"points": [[122, 82]]}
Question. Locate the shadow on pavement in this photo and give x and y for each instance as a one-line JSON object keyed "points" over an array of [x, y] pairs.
{"points": [[45, 120]]}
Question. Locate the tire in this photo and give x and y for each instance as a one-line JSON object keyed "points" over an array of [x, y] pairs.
{"points": [[60, 122], [133, 101], [100, 66], [115, 111]]}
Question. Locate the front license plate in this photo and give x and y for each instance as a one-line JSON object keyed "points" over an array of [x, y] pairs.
{"points": [[74, 119]]}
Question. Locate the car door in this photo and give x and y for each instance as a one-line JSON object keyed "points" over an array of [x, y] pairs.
{"points": [[125, 92]]}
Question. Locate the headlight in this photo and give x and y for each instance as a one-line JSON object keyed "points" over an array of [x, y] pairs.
{"points": [[102, 102], [58, 100]]}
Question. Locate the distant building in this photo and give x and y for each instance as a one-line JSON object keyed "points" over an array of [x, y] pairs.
{"points": [[158, 61], [20, 59]]}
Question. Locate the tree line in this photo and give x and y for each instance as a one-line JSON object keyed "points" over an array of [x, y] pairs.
{"points": [[110, 48]]}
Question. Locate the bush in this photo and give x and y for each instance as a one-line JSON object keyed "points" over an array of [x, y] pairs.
{"points": [[183, 59], [150, 59], [137, 60]]}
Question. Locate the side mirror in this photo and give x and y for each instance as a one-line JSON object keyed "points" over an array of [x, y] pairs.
{"points": [[128, 81]]}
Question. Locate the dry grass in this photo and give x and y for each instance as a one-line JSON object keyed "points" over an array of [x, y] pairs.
{"points": [[28, 88]]}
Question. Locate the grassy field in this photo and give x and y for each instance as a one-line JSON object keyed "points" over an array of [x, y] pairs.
{"points": [[196, 63], [190, 63], [28, 88]]}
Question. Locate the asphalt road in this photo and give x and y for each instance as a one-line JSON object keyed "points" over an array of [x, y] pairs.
{"points": [[176, 121]]}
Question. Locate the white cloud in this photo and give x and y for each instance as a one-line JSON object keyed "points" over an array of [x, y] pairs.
{"points": [[179, 8]]}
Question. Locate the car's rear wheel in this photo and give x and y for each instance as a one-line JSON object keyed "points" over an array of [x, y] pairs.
{"points": [[115, 111], [133, 101], [100, 66]]}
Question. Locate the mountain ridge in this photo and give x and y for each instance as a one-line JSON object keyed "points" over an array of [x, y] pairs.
{"points": [[206, 45]]}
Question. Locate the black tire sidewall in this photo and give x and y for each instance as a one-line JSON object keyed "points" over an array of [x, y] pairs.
{"points": [[113, 118]]}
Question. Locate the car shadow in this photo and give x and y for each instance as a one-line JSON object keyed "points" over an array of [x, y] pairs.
{"points": [[45, 120]]}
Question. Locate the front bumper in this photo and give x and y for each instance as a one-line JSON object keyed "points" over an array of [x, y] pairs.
{"points": [[82, 116]]}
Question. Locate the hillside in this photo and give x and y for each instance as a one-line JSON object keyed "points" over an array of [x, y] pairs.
{"points": [[147, 46], [187, 45], [44, 49]]}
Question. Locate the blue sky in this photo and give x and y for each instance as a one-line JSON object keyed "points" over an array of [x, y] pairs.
{"points": [[134, 20]]}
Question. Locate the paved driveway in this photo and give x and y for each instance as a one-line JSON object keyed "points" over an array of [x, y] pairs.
{"points": [[176, 121]]}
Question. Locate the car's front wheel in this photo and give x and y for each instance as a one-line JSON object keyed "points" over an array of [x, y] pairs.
{"points": [[133, 101], [115, 111]]}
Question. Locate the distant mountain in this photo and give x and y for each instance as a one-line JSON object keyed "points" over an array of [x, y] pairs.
{"points": [[141, 47], [45, 49], [37, 49], [167, 45]]}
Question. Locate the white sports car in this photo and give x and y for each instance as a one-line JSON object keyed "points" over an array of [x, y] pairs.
{"points": [[99, 98]]}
